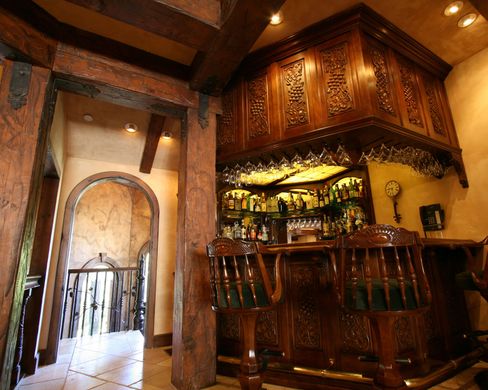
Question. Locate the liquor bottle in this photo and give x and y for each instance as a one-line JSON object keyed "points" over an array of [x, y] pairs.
{"points": [[290, 204], [352, 191], [260, 234], [326, 195], [264, 203], [338, 194], [269, 204], [237, 231], [321, 199], [265, 237], [309, 201], [257, 205], [243, 230], [345, 193], [250, 205], [253, 234], [300, 203], [332, 197], [325, 227], [244, 202], [225, 202], [238, 202], [315, 200], [231, 202], [361, 189]]}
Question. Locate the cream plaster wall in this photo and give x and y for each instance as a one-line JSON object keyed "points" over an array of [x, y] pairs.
{"points": [[140, 225], [164, 183], [56, 135]]}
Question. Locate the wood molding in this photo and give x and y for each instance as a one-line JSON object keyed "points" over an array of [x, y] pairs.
{"points": [[50, 355], [481, 6], [153, 135], [178, 25], [162, 340], [211, 70]]}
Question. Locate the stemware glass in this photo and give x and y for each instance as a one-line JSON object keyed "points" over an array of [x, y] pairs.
{"points": [[343, 158], [326, 158]]}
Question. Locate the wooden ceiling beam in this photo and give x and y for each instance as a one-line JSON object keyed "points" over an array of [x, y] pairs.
{"points": [[243, 25], [481, 6], [159, 17], [153, 135]]}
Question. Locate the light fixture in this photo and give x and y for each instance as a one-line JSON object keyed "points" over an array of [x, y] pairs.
{"points": [[453, 8], [467, 20], [276, 18], [130, 127], [88, 117], [167, 135]]}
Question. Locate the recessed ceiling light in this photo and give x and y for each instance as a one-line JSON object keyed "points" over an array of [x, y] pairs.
{"points": [[453, 8], [130, 127], [467, 20], [167, 135], [276, 18], [88, 117]]}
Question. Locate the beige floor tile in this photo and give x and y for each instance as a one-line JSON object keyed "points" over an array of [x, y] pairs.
{"points": [[83, 356], [161, 379], [77, 381], [47, 385], [112, 386], [47, 373], [131, 373], [101, 365], [153, 356]]}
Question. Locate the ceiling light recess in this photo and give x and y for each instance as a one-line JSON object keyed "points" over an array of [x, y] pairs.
{"points": [[88, 117], [276, 18], [467, 20], [130, 127], [453, 8], [167, 135]]}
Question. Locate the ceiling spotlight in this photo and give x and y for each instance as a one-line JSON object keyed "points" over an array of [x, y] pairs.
{"points": [[276, 18], [130, 127], [167, 135], [467, 20], [88, 117], [453, 8]]}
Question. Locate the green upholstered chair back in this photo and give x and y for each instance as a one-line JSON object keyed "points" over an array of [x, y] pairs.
{"points": [[380, 269], [239, 279]]}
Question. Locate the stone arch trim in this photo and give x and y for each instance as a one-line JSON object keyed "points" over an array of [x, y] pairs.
{"points": [[61, 271]]}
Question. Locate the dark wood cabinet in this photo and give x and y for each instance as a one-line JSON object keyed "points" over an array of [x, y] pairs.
{"points": [[360, 82]]}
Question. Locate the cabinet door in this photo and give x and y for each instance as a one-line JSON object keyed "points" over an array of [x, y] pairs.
{"points": [[437, 121], [380, 84], [260, 109], [337, 82], [297, 98], [408, 92], [229, 133]]}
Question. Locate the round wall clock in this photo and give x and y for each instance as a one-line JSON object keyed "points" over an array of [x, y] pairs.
{"points": [[392, 188]]}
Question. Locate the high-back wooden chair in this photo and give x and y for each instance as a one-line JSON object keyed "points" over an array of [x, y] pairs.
{"points": [[381, 276], [240, 284]]}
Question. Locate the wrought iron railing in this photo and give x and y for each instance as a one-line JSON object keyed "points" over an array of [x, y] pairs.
{"points": [[103, 300]]}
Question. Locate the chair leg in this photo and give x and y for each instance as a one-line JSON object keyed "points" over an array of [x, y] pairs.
{"points": [[387, 375], [250, 376]]}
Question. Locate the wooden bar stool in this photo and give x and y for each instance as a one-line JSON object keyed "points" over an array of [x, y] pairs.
{"points": [[240, 284], [381, 276]]}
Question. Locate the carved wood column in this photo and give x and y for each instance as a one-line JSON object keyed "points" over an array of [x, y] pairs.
{"points": [[194, 346], [24, 91]]}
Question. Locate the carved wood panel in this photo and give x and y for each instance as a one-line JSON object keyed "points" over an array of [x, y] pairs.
{"points": [[295, 98], [229, 326], [226, 125], [306, 318], [405, 338], [356, 333], [335, 62], [267, 328], [383, 95], [258, 122]]}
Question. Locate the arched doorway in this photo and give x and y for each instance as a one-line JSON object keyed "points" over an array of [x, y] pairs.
{"points": [[61, 273]]}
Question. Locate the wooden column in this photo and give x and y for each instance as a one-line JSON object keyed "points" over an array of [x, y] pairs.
{"points": [[23, 137], [194, 347]]}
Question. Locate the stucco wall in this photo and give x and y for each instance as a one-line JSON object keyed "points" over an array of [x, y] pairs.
{"points": [[164, 184]]}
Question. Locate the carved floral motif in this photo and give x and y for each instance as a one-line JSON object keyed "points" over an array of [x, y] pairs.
{"points": [[306, 316], [258, 107], [339, 98], [404, 336], [229, 326], [356, 335], [226, 129], [410, 93], [296, 111], [435, 112], [267, 328], [383, 87]]}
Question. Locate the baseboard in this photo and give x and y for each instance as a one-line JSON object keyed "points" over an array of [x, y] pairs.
{"points": [[42, 357], [162, 340]]}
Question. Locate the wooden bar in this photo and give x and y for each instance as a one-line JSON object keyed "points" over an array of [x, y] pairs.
{"points": [[322, 342]]}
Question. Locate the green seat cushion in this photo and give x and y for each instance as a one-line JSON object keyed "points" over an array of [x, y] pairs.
{"points": [[464, 280], [378, 296], [262, 298]]}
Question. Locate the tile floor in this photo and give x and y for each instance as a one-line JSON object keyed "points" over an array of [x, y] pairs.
{"points": [[118, 361]]}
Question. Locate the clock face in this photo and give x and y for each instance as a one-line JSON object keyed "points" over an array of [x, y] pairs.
{"points": [[392, 188]]}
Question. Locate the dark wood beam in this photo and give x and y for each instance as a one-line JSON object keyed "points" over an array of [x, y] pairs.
{"points": [[20, 41], [211, 70], [481, 6], [158, 17], [153, 135]]}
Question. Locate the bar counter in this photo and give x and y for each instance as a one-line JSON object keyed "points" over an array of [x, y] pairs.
{"points": [[321, 342]]}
